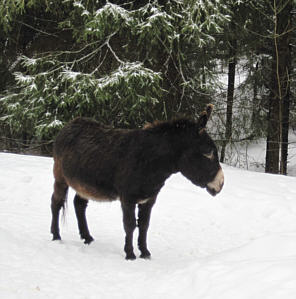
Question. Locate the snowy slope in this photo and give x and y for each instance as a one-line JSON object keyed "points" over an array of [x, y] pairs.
{"points": [[238, 245]]}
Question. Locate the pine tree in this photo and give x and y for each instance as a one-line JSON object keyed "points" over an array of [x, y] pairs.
{"points": [[121, 62]]}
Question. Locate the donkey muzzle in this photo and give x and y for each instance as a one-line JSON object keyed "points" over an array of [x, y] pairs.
{"points": [[216, 185]]}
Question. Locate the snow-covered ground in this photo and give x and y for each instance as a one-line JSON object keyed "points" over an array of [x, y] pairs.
{"points": [[239, 245]]}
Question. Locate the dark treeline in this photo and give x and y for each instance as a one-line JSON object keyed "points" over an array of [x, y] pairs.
{"points": [[126, 63]]}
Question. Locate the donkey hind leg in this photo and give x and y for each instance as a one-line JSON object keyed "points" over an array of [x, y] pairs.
{"points": [[144, 213], [57, 202], [129, 223], [80, 205]]}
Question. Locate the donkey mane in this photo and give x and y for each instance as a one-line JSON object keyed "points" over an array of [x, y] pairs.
{"points": [[179, 123]]}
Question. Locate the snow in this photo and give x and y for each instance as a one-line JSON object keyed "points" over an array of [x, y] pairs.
{"points": [[127, 71], [71, 75], [240, 244], [55, 123], [115, 10], [23, 78]]}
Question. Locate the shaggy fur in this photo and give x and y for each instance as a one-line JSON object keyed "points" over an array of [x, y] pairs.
{"points": [[106, 164]]}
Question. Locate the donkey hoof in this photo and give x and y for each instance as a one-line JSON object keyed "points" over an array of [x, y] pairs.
{"points": [[88, 240], [56, 238], [145, 255], [130, 257]]}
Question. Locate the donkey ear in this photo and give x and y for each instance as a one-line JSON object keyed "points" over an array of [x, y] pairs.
{"points": [[205, 115], [209, 109]]}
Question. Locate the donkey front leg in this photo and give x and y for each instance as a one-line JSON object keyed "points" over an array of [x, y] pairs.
{"points": [[129, 224], [80, 205], [144, 214]]}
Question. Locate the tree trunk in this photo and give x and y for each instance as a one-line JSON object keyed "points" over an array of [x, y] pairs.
{"points": [[273, 134], [230, 94], [255, 105], [285, 103], [285, 133], [287, 59], [279, 103]]}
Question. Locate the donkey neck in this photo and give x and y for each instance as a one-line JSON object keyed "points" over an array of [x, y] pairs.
{"points": [[169, 144]]}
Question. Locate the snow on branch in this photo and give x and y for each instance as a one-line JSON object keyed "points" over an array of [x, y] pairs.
{"points": [[81, 6], [128, 71], [23, 79], [155, 18], [115, 10], [55, 123], [70, 75], [26, 61]]}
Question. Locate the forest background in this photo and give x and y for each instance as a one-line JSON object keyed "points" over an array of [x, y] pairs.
{"points": [[126, 63]]}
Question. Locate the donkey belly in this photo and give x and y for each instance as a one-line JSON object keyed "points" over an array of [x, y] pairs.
{"points": [[90, 192], [89, 180]]}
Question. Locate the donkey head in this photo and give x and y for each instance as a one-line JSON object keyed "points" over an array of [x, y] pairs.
{"points": [[199, 161]]}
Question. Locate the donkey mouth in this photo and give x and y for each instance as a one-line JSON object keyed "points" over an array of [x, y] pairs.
{"points": [[212, 191], [216, 185]]}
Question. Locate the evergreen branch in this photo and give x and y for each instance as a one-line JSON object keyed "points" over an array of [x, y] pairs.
{"points": [[99, 66], [37, 30], [114, 54]]}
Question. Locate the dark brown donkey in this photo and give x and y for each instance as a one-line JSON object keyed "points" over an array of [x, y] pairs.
{"points": [[105, 164]]}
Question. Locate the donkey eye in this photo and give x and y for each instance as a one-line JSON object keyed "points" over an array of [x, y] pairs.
{"points": [[209, 155]]}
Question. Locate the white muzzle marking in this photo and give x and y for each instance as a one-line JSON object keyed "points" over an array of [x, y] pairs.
{"points": [[217, 184]]}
